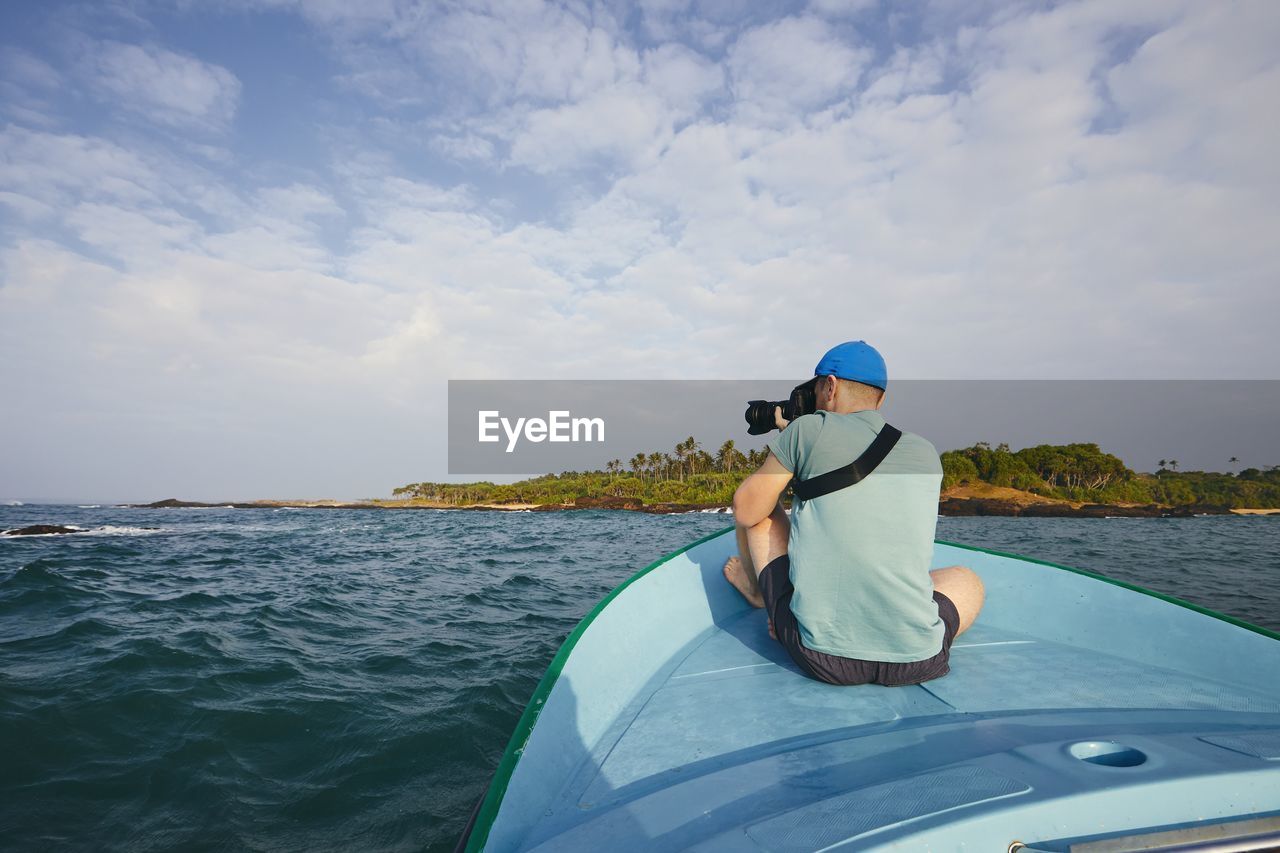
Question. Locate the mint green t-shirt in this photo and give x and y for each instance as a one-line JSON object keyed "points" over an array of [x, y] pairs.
{"points": [[860, 557]]}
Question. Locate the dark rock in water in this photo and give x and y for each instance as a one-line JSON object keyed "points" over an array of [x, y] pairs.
{"points": [[1048, 510], [976, 506], [41, 530], [1091, 511], [673, 509], [607, 502], [1192, 510], [173, 503], [1206, 509]]}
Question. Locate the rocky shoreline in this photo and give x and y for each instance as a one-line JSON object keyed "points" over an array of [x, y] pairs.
{"points": [[948, 506], [582, 503], [1012, 508]]}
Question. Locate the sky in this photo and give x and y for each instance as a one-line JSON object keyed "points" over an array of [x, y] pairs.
{"points": [[244, 245]]}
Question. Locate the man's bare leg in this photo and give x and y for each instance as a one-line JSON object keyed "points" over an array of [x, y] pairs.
{"points": [[963, 586], [758, 546]]}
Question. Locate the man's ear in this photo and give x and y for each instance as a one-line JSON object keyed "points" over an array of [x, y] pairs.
{"points": [[880, 402]]}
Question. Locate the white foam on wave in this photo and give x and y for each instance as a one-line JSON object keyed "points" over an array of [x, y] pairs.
{"points": [[14, 503], [114, 530], [89, 506]]}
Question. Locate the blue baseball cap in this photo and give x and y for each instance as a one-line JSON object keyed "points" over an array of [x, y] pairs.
{"points": [[855, 360]]}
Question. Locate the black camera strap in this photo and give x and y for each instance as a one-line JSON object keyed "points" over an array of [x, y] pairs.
{"points": [[856, 471]]}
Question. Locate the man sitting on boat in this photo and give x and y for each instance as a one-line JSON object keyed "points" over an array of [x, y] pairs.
{"points": [[846, 579]]}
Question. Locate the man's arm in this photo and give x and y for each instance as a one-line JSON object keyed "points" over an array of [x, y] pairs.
{"points": [[759, 493]]}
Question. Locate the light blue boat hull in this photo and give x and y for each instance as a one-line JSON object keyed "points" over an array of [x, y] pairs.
{"points": [[1076, 708]]}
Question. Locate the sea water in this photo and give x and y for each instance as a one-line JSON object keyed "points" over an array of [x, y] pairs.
{"points": [[347, 679]]}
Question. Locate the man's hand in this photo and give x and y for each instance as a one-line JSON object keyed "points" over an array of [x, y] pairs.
{"points": [[778, 419]]}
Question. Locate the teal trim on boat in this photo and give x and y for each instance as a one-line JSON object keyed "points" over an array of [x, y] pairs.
{"points": [[524, 726], [1061, 691]]}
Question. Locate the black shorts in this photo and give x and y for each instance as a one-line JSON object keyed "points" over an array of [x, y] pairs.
{"points": [[775, 585]]}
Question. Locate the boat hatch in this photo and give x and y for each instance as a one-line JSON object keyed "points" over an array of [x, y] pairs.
{"points": [[1107, 753]]}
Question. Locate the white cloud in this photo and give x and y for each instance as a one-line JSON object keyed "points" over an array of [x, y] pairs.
{"points": [[792, 66], [166, 87], [59, 168], [623, 124], [142, 238], [467, 146], [682, 78], [297, 202]]}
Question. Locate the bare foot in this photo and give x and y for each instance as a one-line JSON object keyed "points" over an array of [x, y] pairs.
{"points": [[736, 574]]}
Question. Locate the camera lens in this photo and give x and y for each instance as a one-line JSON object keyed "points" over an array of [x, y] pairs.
{"points": [[759, 416]]}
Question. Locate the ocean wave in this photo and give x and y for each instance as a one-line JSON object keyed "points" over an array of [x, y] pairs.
{"points": [[114, 530], [38, 573]]}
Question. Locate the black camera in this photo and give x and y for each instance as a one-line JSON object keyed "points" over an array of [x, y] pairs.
{"points": [[803, 401]]}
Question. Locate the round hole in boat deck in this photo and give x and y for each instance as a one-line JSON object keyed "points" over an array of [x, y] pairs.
{"points": [[1107, 753]]}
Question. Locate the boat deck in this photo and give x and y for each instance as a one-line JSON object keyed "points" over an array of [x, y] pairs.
{"points": [[727, 746]]}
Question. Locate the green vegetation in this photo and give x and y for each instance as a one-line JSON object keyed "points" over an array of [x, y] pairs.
{"points": [[688, 475], [691, 475], [1083, 472]]}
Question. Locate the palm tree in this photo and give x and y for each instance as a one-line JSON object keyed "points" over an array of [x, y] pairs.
{"points": [[1173, 463], [684, 450], [1162, 463], [637, 464], [724, 457]]}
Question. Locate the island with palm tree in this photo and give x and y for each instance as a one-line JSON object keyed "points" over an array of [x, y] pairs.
{"points": [[1043, 480]]}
